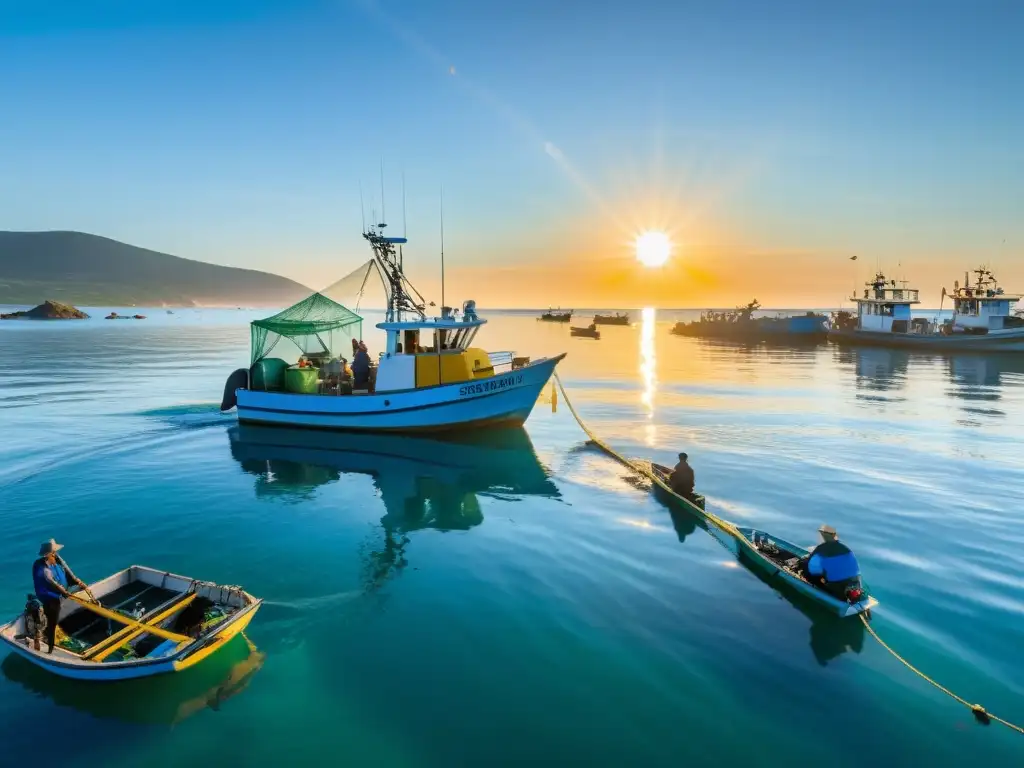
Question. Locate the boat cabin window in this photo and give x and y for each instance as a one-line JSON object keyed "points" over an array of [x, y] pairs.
{"points": [[411, 342]]}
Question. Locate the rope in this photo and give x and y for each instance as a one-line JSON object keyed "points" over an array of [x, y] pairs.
{"points": [[644, 468], [980, 713]]}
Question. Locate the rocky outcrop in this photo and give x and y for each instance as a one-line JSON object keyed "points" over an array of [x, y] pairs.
{"points": [[48, 310]]}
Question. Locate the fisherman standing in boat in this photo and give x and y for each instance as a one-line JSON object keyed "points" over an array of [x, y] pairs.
{"points": [[361, 367], [681, 480], [831, 565], [51, 577]]}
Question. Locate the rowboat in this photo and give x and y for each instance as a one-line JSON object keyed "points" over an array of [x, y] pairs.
{"points": [[768, 553], [142, 622], [590, 332]]}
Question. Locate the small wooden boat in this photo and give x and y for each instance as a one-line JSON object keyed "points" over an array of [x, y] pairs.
{"points": [[616, 319], [556, 316], [590, 332], [143, 622], [768, 553]]}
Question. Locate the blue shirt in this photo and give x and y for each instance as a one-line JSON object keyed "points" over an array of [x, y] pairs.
{"points": [[46, 578], [840, 566]]}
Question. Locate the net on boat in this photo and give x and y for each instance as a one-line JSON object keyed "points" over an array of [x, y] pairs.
{"points": [[363, 284], [315, 325]]}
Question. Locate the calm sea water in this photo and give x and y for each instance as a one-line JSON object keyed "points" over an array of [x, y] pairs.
{"points": [[521, 599]]}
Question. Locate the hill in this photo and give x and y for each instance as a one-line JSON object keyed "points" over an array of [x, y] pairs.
{"points": [[95, 271]]}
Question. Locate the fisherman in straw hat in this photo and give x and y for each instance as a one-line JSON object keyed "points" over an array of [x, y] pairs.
{"points": [[831, 565], [52, 577]]}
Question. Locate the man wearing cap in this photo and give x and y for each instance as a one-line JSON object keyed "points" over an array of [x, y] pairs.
{"points": [[681, 479], [831, 564], [51, 577]]}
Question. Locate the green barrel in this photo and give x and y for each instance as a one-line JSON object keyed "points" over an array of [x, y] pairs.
{"points": [[301, 381]]}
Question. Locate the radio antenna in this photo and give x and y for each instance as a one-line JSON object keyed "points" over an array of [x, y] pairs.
{"points": [[383, 215], [362, 206], [405, 232], [437, 339]]}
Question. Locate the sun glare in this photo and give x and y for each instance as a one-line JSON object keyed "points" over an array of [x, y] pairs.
{"points": [[653, 248]]}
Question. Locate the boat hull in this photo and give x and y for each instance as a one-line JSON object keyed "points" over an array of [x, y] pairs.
{"points": [[999, 341], [505, 399]]}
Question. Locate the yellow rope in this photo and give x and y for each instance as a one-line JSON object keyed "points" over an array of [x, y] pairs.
{"points": [[979, 711]]}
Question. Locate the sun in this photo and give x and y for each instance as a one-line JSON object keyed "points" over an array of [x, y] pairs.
{"points": [[653, 248]]}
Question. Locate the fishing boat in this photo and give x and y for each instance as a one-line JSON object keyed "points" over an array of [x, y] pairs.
{"points": [[590, 332], [430, 376], [138, 623], [740, 324], [556, 316], [768, 553], [982, 318], [616, 319]]}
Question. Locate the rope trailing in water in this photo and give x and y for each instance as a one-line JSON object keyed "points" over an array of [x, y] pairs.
{"points": [[980, 713]]}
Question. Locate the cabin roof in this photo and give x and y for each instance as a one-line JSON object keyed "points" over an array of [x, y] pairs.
{"points": [[430, 324]]}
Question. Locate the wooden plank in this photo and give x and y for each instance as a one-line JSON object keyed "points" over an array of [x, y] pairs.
{"points": [[134, 628]]}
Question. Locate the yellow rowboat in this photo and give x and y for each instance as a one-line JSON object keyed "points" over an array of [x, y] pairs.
{"points": [[143, 622]]}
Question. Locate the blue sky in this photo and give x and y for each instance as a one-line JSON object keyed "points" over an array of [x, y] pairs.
{"points": [[766, 137]]}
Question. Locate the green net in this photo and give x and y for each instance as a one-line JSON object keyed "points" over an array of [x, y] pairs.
{"points": [[315, 325]]}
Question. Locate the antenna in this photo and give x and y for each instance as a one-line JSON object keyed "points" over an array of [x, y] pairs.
{"points": [[362, 207], [383, 215], [405, 232], [442, 249], [437, 339]]}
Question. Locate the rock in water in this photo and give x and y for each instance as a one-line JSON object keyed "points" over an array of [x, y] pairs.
{"points": [[48, 310]]}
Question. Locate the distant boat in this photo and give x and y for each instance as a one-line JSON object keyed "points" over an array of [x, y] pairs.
{"points": [[741, 325], [982, 319], [616, 319], [589, 332], [556, 316]]}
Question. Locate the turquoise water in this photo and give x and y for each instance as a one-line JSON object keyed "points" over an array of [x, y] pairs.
{"points": [[521, 599]]}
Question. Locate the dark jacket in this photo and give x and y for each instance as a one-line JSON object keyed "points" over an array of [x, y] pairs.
{"points": [[361, 366], [681, 478]]}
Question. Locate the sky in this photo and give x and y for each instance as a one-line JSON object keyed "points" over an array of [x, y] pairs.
{"points": [[771, 141]]}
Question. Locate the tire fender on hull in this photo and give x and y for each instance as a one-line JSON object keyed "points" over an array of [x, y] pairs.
{"points": [[237, 380]]}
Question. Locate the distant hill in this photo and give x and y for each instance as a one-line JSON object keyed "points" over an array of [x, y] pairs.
{"points": [[89, 270]]}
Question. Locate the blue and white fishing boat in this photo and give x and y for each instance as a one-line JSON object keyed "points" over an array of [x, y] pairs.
{"points": [[430, 376], [982, 319], [139, 622]]}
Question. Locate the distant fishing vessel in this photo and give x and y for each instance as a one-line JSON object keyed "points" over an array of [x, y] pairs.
{"points": [[430, 376], [741, 325], [982, 319], [616, 319], [556, 316], [589, 332]]}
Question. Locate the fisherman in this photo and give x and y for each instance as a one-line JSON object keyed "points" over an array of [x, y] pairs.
{"points": [[51, 577], [681, 479], [361, 367], [831, 565]]}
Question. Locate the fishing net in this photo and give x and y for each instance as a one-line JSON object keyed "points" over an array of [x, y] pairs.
{"points": [[315, 325], [357, 287]]}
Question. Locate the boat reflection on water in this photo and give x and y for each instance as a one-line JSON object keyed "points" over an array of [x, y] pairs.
{"points": [[433, 482], [877, 369], [160, 700], [830, 635]]}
